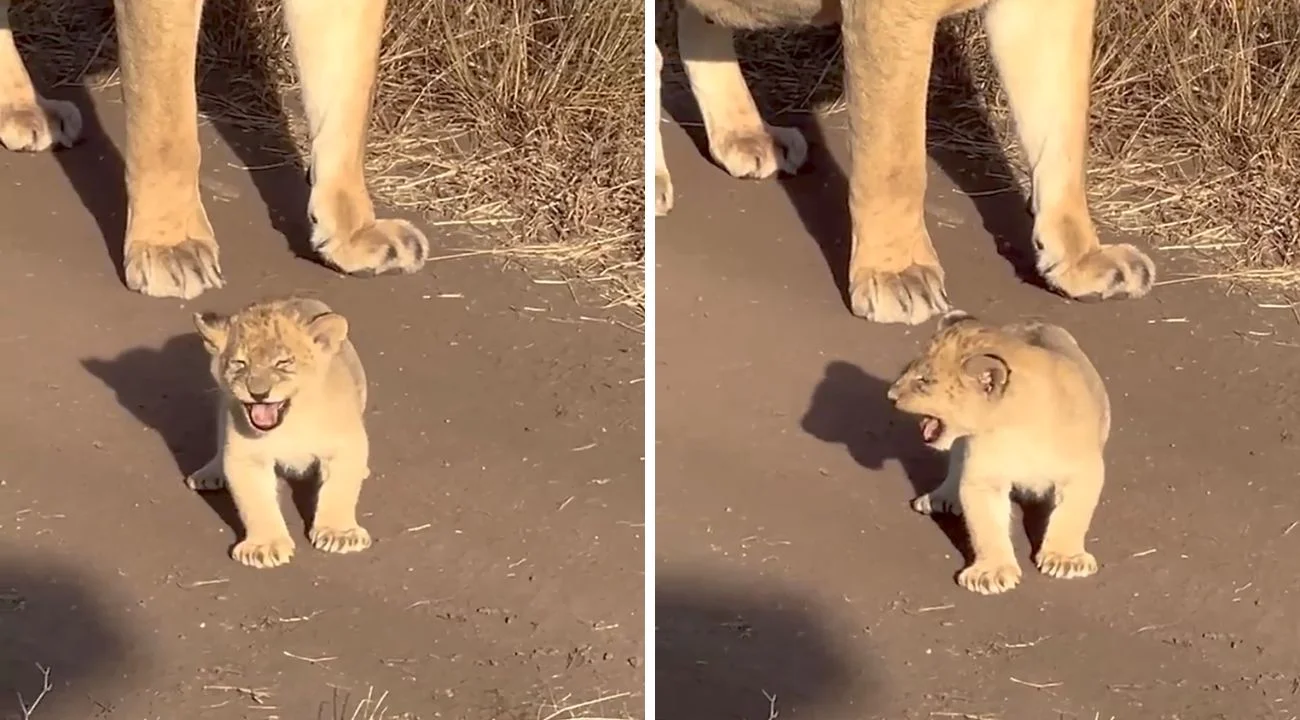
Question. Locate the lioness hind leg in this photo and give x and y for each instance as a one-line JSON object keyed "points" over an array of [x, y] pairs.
{"points": [[27, 120], [1043, 52], [334, 527], [336, 48], [739, 140], [170, 249], [894, 272], [1063, 553]]}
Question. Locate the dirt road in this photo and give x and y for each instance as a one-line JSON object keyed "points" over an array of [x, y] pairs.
{"points": [[506, 500], [792, 577]]}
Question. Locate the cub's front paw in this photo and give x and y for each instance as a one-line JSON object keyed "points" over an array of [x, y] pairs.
{"points": [[264, 553], [1062, 566], [340, 540], [38, 126], [990, 578]]}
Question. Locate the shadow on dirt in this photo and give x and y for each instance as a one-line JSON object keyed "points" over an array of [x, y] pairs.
{"points": [[746, 652], [171, 391], [95, 167], [52, 618], [819, 192], [849, 407]]}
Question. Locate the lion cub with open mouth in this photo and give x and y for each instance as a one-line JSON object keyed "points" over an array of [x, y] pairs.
{"points": [[292, 397], [1021, 408]]}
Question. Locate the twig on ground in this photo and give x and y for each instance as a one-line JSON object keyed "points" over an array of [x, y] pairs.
{"points": [[46, 687]]}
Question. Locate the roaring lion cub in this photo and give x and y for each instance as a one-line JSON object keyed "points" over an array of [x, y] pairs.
{"points": [[292, 395], [171, 249], [1021, 408], [1043, 53]]}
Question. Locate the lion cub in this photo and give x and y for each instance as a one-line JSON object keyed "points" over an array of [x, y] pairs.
{"points": [[292, 395], [1021, 408]]}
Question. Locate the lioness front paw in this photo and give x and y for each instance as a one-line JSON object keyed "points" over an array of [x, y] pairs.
{"points": [[383, 248], [911, 296], [931, 503], [264, 553], [990, 578], [37, 126], [760, 154], [1062, 566], [1111, 272], [183, 270], [340, 540], [663, 194]]}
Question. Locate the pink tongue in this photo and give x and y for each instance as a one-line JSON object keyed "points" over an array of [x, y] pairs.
{"points": [[264, 414]]}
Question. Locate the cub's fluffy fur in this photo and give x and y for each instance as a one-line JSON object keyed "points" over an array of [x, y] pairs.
{"points": [[1021, 408], [292, 397]]}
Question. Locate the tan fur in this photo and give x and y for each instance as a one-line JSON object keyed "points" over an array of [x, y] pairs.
{"points": [[1022, 409], [1043, 51], [171, 250], [296, 350]]}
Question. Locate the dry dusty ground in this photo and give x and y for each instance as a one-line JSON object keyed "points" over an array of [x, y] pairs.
{"points": [[507, 499], [792, 575]]}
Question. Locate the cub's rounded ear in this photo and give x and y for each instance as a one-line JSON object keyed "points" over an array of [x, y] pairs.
{"points": [[952, 317], [214, 329], [989, 371], [328, 331]]}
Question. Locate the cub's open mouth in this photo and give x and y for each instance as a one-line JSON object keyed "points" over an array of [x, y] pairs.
{"points": [[266, 416], [931, 428]]}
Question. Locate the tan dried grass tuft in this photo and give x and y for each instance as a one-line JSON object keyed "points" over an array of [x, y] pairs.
{"points": [[523, 119]]}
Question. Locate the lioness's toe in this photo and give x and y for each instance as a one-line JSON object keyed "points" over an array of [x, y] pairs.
{"points": [[930, 503], [264, 553], [911, 296], [663, 194], [183, 270], [1111, 272], [1062, 566], [387, 247], [990, 578], [761, 153], [39, 125], [340, 540]]}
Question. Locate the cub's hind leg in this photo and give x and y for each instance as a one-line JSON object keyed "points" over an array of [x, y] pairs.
{"points": [[1043, 52], [739, 140], [1063, 553], [336, 48], [334, 527], [27, 120]]}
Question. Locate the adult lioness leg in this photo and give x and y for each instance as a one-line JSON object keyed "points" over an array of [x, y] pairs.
{"points": [[1043, 51], [170, 249], [894, 273], [739, 140], [336, 47], [27, 120], [663, 181]]}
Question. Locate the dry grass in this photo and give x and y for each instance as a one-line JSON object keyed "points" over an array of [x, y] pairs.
{"points": [[521, 119], [1195, 118]]}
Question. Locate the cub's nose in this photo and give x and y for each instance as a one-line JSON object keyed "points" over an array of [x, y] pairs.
{"points": [[258, 396], [893, 392]]}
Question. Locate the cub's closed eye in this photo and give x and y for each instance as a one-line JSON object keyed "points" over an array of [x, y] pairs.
{"points": [[238, 364], [285, 364]]}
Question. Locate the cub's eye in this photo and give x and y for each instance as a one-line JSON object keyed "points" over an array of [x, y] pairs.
{"points": [[922, 382], [237, 364], [285, 364]]}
